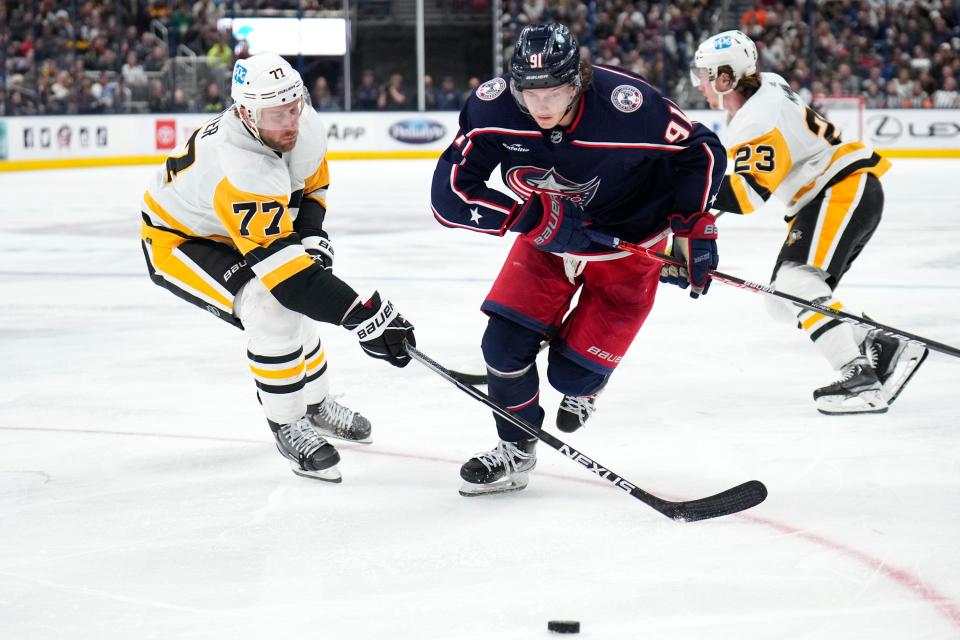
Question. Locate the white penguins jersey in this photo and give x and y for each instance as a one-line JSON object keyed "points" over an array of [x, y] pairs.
{"points": [[780, 146], [223, 184]]}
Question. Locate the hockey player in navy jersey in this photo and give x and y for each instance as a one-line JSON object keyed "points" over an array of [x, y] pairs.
{"points": [[580, 146]]}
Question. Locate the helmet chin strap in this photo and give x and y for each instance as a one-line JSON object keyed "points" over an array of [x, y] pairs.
{"points": [[250, 124], [720, 94]]}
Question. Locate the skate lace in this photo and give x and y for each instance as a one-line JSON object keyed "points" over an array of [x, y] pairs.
{"points": [[582, 407], [848, 372], [505, 454], [336, 414], [303, 437]]}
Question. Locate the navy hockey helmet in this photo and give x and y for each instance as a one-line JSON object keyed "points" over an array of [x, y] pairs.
{"points": [[546, 55]]}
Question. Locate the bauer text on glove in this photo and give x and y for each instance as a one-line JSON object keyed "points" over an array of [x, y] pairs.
{"points": [[550, 221], [382, 331]]}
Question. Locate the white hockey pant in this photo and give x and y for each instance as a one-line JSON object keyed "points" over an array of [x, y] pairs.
{"points": [[837, 341], [284, 353]]}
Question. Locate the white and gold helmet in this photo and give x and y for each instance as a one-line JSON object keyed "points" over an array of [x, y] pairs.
{"points": [[265, 80], [731, 49]]}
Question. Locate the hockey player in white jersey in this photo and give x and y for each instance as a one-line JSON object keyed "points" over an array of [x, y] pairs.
{"points": [[834, 201], [233, 223]]}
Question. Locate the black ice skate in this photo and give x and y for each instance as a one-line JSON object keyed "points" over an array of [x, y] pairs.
{"points": [[857, 391], [503, 469], [895, 361], [310, 455], [333, 420], [574, 412]]}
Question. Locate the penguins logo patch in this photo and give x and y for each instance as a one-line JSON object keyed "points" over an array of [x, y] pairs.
{"points": [[491, 89], [626, 98]]}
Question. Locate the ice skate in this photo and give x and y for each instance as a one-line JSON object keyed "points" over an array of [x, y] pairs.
{"points": [[310, 455], [505, 468], [333, 420], [574, 412], [857, 391], [895, 361]]}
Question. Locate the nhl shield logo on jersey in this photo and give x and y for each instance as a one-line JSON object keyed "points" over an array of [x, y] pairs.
{"points": [[626, 98], [523, 181], [491, 89]]}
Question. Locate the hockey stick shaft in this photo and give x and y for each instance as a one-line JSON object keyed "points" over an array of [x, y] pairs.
{"points": [[763, 289], [481, 378], [744, 496]]}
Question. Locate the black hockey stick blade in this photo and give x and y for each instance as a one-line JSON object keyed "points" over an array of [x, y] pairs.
{"points": [[472, 379], [739, 498], [744, 496], [481, 378]]}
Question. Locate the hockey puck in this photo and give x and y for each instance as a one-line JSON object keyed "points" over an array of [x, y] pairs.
{"points": [[564, 626]]}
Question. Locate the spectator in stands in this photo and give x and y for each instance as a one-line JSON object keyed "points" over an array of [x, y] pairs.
{"points": [[132, 70], [947, 97], [894, 100], [447, 96], [902, 84], [321, 97], [213, 100], [366, 95], [872, 98], [180, 104], [220, 55], [116, 95], [472, 85], [848, 83], [394, 96], [158, 99], [429, 93]]}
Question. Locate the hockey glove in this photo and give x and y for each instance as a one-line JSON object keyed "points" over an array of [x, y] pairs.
{"points": [[695, 243], [381, 330], [551, 222], [320, 249]]}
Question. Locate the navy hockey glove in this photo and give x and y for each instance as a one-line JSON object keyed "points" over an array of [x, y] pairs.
{"points": [[694, 242], [551, 222], [320, 249], [381, 330]]}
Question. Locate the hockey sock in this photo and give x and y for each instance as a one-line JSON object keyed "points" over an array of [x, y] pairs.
{"points": [[316, 382], [510, 351]]}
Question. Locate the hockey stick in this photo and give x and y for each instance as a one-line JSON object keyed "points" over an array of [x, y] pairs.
{"points": [[755, 287], [744, 496], [481, 378]]}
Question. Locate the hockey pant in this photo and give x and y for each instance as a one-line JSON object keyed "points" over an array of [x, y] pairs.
{"points": [[823, 240], [530, 301], [284, 351]]}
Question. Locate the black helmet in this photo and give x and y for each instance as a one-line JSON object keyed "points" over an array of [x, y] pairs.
{"points": [[546, 55]]}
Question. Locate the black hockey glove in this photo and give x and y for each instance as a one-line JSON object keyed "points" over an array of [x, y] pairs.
{"points": [[551, 222], [694, 242], [320, 249], [381, 330]]}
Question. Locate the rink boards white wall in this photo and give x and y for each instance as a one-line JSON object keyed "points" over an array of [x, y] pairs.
{"points": [[40, 142]]}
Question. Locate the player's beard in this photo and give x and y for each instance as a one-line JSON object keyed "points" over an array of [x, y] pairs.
{"points": [[281, 142]]}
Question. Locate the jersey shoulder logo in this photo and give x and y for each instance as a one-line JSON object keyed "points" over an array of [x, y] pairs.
{"points": [[491, 89], [626, 98], [523, 181]]}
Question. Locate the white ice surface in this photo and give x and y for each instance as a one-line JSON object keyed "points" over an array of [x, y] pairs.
{"points": [[141, 496]]}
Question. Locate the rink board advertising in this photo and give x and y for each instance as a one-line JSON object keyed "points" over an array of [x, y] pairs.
{"points": [[34, 142]]}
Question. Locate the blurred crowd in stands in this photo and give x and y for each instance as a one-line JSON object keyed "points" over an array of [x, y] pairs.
{"points": [[104, 56]]}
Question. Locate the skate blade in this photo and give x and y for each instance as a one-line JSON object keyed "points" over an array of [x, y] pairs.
{"points": [[915, 355], [330, 474], [865, 402], [515, 482], [333, 436]]}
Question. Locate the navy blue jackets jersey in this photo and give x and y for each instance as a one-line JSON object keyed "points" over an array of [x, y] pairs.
{"points": [[630, 158]]}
